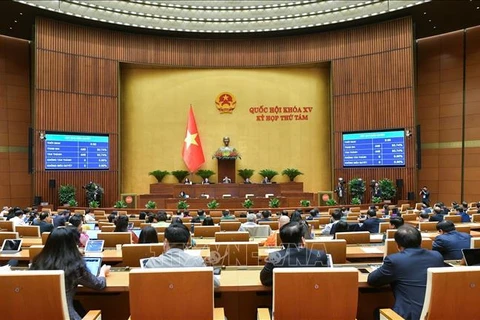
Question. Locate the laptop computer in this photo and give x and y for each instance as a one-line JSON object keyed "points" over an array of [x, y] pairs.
{"points": [[94, 246], [329, 260], [471, 257], [92, 234], [93, 264], [11, 246], [91, 225]]}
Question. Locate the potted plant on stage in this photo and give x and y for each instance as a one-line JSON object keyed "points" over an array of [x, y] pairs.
{"points": [[357, 188], [387, 189], [291, 173], [159, 174], [305, 203], [180, 175], [247, 204], [66, 193], [376, 200], [274, 203], [120, 204], [213, 205], [331, 202], [73, 203], [182, 205], [268, 173], [245, 173], [93, 204], [356, 201], [205, 174], [151, 205]]}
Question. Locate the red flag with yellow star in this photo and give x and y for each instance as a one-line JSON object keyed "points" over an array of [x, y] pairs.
{"points": [[192, 152]]}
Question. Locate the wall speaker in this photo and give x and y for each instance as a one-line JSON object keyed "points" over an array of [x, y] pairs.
{"points": [[52, 183], [411, 196]]}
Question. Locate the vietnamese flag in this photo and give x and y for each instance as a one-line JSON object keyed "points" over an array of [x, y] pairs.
{"points": [[192, 152]]}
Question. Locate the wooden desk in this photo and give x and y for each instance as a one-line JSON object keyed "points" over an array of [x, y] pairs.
{"points": [[472, 225], [240, 294], [113, 256]]}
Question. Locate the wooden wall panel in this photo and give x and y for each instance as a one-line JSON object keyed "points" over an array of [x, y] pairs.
{"points": [[448, 105], [15, 118], [77, 68]]}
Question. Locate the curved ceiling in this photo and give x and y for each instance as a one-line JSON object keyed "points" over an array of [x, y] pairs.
{"points": [[223, 16]]}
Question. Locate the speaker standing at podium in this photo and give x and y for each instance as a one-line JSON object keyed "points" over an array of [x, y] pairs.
{"points": [[227, 180]]}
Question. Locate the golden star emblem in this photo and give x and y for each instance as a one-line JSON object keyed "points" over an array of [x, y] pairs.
{"points": [[191, 139]]}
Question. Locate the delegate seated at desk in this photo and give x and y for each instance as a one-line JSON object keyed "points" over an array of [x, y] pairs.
{"points": [[406, 272], [294, 253], [61, 253], [450, 242], [174, 256]]}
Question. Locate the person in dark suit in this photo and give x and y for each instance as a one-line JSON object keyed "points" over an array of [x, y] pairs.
{"points": [[406, 272], [372, 223], [437, 214], [294, 253], [45, 222], [450, 242]]}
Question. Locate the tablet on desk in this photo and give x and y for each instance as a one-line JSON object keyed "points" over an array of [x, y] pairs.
{"points": [[471, 257], [93, 264], [11, 246], [94, 246], [137, 232]]}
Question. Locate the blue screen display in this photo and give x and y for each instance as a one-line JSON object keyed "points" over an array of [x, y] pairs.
{"points": [[374, 149], [76, 152]]}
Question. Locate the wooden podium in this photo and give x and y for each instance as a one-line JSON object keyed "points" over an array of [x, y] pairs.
{"points": [[226, 167]]}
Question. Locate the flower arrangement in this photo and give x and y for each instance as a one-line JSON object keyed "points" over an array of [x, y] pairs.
{"points": [[151, 205], [305, 203], [213, 204], [226, 154], [247, 204]]}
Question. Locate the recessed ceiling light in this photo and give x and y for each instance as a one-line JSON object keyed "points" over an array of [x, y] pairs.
{"points": [[21, 13], [424, 13], [434, 27], [11, 28], [15, 21]]}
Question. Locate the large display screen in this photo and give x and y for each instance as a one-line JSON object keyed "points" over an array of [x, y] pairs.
{"points": [[374, 148], [71, 151]]}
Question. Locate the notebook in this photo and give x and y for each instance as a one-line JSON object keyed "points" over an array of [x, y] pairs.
{"points": [[94, 246], [11, 246], [471, 257], [93, 264]]}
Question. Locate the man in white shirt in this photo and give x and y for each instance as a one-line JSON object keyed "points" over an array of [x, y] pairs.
{"points": [[251, 218], [336, 217], [18, 219]]}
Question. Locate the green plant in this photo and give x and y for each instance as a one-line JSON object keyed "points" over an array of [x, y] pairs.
{"points": [[120, 204], [274, 203], [180, 174], [356, 201], [205, 173], [387, 189], [376, 199], [151, 204], [73, 203], [291, 173], [269, 173], [182, 205], [213, 204], [357, 188], [93, 204], [247, 203], [245, 173], [331, 202], [305, 203], [66, 193], [159, 174]]}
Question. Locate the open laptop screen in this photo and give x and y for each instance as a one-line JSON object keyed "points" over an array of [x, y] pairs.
{"points": [[94, 246], [11, 245], [93, 264], [471, 257]]}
